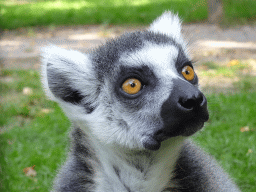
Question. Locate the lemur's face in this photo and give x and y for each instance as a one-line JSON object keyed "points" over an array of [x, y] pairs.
{"points": [[136, 91]]}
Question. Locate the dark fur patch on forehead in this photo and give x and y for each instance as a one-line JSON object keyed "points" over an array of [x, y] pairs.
{"points": [[106, 56], [159, 39]]}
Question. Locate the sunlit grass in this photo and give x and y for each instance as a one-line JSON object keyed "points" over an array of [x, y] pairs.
{"points": [[237, 10], [15, 14], [78, 12], [62, 5], [233, 69]]}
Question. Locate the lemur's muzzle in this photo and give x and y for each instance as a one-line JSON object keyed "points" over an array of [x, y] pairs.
{"points": [[184, 112]]}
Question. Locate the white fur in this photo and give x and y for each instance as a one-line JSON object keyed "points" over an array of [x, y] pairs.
{"points": [[79, 70], [157, 178], [161, 58], [168, 24], [54, 54]]}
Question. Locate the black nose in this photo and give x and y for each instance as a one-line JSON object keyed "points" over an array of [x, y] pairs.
{"points": [[185, 110], [191, 103]]}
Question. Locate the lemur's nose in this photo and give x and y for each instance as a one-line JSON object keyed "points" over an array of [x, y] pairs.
{"points": [[191, 102], [185, 102], [185, 110]]}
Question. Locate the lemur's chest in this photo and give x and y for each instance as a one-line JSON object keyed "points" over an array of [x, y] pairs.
{"points": [[134, 181], [147, 172]]}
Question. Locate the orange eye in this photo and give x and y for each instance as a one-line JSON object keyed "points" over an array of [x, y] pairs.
{"points": [[131, 86], [188, 73]]}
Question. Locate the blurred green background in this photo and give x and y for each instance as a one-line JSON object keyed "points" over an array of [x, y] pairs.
{"points": [[22, 13]]}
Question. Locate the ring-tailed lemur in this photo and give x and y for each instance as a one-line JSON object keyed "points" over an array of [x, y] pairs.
{"points": [[133, 103]]}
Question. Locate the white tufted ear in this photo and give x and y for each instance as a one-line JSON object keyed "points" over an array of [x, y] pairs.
{"points": [[68, 77], [169, 24]]}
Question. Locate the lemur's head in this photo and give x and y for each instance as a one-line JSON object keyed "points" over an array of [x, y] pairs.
{"points": [[135, 91]]}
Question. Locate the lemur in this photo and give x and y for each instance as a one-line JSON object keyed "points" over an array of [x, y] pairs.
{"points": [[133, 103]]}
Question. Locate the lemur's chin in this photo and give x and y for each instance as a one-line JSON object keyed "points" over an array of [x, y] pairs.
{"points": [[193, 129], [154, 142]]}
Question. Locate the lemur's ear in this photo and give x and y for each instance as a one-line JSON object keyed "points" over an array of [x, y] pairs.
{"points": [[169, 24], [68, 76]]}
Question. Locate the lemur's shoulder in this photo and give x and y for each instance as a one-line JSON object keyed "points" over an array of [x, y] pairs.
{"points": [[198, 171], [77, 173]]}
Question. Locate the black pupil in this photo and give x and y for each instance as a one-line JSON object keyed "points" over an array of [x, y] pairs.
{"points": [[133, 84], [187, 72]]}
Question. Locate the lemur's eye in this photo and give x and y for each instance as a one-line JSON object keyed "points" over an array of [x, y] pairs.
{"points": [[131, 86], [188, 73]]}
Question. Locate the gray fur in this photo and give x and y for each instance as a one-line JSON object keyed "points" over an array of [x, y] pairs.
{"points": [[125, 142]]}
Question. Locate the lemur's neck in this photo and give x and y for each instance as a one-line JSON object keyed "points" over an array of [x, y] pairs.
{"points": [[120, 170]]}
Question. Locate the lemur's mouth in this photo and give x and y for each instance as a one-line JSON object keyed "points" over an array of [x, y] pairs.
{"points": [[185, 129]]}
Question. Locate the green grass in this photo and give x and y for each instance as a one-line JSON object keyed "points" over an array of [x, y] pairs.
{"points": [[78, 12], [14, 14], [31, 135], [242, 11], [222, 136]]}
